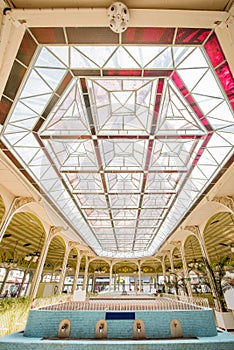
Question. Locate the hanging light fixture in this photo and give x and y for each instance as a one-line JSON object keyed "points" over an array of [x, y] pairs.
{"points": [[12, 261], [35, 255]]}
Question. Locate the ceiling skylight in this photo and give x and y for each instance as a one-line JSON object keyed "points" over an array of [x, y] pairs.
{"points": [[123, 139]]}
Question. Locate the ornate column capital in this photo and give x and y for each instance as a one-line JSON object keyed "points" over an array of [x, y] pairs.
{"points": [[177, 244], [166, 252], [193, 228], [21, 201], [72, 244], [55, 229], [228, 201]]}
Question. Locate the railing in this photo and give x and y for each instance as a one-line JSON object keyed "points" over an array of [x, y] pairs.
{"points": [[124, 305], [40, 302], [200, 302]]}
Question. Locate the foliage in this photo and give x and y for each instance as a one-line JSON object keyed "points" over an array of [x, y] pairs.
{"points": [[213, 272], [9, 303], [179, 282], [13, 314]]}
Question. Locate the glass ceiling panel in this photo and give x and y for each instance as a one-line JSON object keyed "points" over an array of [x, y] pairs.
{"points": [[92, 201], [130, 152], [125, 107], [74, 155], [124, 201], [124, 182], [123, 154]]}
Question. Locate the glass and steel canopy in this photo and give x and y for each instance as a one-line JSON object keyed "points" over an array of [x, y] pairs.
{"points": [[124, 139]]}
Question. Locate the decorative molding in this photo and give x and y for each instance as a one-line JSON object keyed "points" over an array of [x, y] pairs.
{"points": [[193, 228], [21, 201], [55, 229], [72, 244], [228, 201], [177, 244], [167, 253]]}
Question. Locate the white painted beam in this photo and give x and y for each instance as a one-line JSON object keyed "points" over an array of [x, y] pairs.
{"points": [[96, 17], [10, 40]]}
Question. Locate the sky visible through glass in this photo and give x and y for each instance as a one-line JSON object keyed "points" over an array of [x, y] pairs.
{"points": [[125, 149]]}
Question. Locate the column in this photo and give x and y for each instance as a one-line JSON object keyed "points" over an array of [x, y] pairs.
{"points": [[185, 269], [22, 283], [4, 280], [40, 266], [115, 277], [63, 272], [93, 283], [139, 275], [173, 270], [76, 275], [164, 275], [84, 286], [135, 283], [37, 276], [110, 282]]}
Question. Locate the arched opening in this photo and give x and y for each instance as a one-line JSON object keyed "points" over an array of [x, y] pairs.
{"points": [[196, 266], [20, 250], [101, 329], [99, 276], [176, 329], [151, 271], [168, 277], [126, 277], [138, 330], [64, 329], [70, 271], [178, 278], [218, 238], [81, 280], [52, 268]]}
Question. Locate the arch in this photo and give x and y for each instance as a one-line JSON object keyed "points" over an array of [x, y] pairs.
{"points": [[99, 266], [192, 249], [177, 259], [102, 259], [151, 266], [23, 240], [196, 265], [70, 271], [218, 235], [101, 329], [82, 263], [56, 252], [167, 262], [125, 267], [64, 329], [176, 329], [179, 281], [139, 330]]}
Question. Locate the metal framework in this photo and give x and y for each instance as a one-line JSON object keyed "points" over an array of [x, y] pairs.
{"points": [[122, 134]]}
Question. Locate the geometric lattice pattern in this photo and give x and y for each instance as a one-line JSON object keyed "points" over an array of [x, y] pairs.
{"points": [[123, 139]]}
